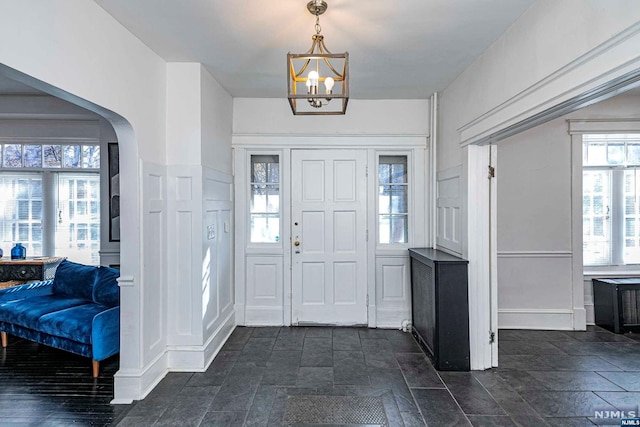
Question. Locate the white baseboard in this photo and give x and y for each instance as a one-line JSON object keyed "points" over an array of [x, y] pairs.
{"points": [[263, 316], [535, 319], [239, 310], [198, 358], [591, 315], [391, 318], [579, 319], [372, 316], [134, 384]]}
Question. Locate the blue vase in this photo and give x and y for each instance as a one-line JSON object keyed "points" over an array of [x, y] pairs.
{"points": [[18, 252]]}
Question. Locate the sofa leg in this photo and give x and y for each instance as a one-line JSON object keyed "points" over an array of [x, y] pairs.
{"points": [[4, 337], [96, 368]]}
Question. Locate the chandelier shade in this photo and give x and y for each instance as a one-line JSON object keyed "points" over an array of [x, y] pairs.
{"points": [[318, 77]]}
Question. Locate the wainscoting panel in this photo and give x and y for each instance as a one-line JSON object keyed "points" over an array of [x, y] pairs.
{"points": [[215, 282], [183, 225], [393, 291], [153, 281], [264, 290], [199, 229], [183, 255], [225, 261], [448, 214], [209, 271]]}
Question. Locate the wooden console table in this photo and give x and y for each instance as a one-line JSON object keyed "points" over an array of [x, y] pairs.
{"points": [[32, 268]]}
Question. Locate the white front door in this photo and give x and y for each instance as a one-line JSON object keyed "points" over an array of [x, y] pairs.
{"points": [[328, 233]]}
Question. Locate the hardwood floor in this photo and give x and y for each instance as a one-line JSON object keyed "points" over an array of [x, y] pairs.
{"points": [[43, 386]]}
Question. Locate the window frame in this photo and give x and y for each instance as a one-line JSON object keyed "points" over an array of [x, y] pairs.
{"points": [[75, 241], [30, 175], [50, 182], [410, 189], [42, 142], [617, 211], [249, 185]]}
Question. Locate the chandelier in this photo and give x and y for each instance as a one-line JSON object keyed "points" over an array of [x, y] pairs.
{"points": [[320, 66]]}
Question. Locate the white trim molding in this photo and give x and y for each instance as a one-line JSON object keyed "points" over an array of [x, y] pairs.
{"points": [[536, 319], [326, 141], [565, 90], [136, 384], [478, 252], [197, 358], [582, 126], [535, 254]]}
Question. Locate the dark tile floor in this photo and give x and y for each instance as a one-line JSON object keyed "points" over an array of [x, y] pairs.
{"points": [[546, 378]]}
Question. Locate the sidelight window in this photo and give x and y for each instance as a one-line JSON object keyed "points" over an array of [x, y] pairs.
{"points": [[264, 210], [393, 206]]}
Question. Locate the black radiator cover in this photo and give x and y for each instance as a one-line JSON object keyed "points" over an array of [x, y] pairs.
{"points": [[440, 307]]}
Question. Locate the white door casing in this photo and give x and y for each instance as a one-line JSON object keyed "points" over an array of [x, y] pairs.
{"points": [[329, 237]]}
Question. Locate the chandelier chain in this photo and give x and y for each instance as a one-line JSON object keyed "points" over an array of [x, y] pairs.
{"points": [[318, 27]]}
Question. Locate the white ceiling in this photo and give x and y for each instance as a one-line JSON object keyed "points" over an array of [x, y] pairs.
{"points": [[397, 48]]}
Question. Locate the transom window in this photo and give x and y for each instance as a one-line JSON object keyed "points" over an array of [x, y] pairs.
{"points": [[610, 199], [50, 156], [393, 207]]}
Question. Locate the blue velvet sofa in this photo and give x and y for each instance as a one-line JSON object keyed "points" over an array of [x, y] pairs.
{"points": [[78, 311]]}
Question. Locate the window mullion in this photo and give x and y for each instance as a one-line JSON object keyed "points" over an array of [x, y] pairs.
{"points": [[49, 212], [617, 217]]}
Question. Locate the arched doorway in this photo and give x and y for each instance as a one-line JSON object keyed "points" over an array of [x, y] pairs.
{"points": [[130, 235]]}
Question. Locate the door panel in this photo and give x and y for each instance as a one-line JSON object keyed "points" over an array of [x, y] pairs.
{"points": [[328, 205]]}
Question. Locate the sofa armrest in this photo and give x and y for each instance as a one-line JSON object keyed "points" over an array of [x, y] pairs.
{"points": [[105, 333], [26, 291]]}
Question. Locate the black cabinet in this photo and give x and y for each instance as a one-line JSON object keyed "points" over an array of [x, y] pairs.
{"points": [[440, 307], [617, 303]]}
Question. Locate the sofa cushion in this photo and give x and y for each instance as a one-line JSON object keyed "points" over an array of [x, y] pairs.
{"points": [[74, 323], [27, 312], [106, 290], [75, 279]]}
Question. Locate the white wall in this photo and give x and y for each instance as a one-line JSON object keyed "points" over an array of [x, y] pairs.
{"points": [[217, 124], [555, 50], [534, 229], [364, 117], [535, 250], [184, 119]]}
